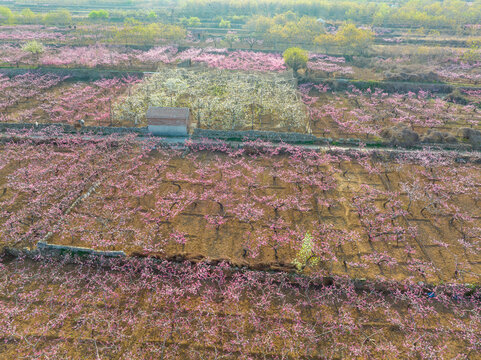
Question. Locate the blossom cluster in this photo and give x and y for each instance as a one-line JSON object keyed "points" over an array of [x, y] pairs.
{"points": [[111, 57]]}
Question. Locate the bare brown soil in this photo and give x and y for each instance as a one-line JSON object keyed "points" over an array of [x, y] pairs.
{"points": [[80, 312], [98, 222], [118, 214]]}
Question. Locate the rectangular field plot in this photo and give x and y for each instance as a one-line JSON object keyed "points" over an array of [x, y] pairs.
{"points": [[364, 114], [283, 208], [50, 98], [41, 179], [140, 310]]}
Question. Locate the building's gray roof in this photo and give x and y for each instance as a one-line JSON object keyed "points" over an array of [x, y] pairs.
{"points": [[156, 112]]}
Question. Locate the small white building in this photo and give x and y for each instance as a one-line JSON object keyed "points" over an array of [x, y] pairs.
{"points": [[168, 121]]}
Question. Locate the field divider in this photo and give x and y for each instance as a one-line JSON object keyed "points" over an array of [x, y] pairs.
{"points": [[62, 249], [113, 260], [234, 138]]}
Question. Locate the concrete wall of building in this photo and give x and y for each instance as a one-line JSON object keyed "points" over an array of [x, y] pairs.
{"points": [[168, 130]]}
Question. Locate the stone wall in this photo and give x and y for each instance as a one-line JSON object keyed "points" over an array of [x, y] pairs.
{"points": [[67, 128], [73, 74], [235, 136], [52, 249], [271, 136]]}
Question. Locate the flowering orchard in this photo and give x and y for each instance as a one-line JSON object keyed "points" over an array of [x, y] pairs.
{"points": [[220, 99], [328, 65], [87, 56], [364, 113], [20, 89], [130, 246], [414, 216], [214, 58], [40, 181], [218, 58], [49, 98], [34, 32], [102, 56], [448, 65], [160, 310]]}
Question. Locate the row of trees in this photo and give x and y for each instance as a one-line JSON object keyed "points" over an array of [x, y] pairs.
{"points": [[135, 33], [349, 38], [412, 13], [27, 16], [64, 17], [289, 28], [430, 13]]}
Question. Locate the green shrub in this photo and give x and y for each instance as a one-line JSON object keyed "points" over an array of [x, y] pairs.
{"points": [[295, 58], [306, 256], [98, 14]]}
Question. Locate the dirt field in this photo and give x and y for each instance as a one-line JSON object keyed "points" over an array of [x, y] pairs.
{"points": [[98, 222], [374, 219], [134, 311]]}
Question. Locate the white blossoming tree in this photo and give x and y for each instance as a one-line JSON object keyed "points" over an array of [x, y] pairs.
{"points": [[220, 99]]}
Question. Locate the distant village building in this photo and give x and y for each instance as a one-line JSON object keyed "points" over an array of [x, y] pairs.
{"points": [[327, 24], [198, 34], [168, 121]]}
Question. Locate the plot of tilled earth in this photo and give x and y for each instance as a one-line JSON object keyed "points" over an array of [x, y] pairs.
{"points": [[177, 311], [413, 215]]}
